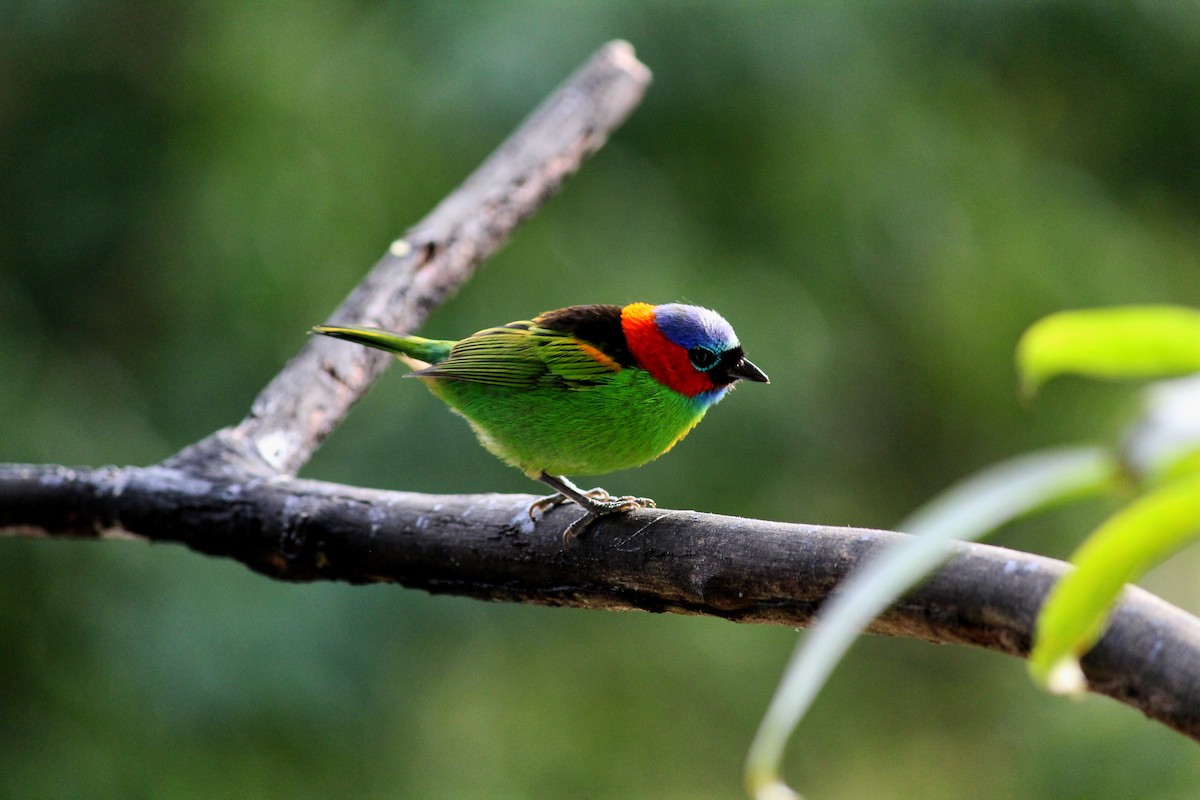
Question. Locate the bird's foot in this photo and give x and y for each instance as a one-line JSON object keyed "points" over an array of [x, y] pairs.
{"points": [[596, 502], [604, 508], [540, 507]]}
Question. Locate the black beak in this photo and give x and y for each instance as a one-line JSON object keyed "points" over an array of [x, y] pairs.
{"points": [[744, 368]]}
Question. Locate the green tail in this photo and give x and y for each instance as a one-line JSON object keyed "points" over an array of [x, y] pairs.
{"points": [[429, 350]]}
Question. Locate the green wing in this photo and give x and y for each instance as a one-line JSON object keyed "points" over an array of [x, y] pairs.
{"points": [[522, 355]]}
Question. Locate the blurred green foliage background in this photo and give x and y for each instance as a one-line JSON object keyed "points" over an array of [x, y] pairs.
{"points": [[879, 197]]}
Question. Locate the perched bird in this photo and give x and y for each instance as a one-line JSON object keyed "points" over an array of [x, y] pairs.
{"points": [[582, 390]]}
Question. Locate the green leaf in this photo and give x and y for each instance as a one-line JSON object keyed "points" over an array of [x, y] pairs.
{"points": [[968, 510], [1124, 342], [1130, 542]]}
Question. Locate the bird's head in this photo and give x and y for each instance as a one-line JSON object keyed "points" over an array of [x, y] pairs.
{"points": [[687, 348]]}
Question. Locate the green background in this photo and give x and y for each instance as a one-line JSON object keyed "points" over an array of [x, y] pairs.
{"points": [[879, 197]]}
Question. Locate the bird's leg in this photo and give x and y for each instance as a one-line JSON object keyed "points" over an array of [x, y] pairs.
{"points": [[596, 502], [544, 504]]}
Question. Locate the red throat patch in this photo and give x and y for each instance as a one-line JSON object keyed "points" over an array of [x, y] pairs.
{"points": [[667, 362]]}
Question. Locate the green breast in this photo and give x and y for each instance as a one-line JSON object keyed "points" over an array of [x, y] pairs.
{"points": [[624, 423]]}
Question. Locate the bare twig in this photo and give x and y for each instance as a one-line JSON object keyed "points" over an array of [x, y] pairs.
{"points": [[485, 546]]}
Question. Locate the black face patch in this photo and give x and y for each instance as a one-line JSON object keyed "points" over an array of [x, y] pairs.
{"points": [[729, 359], [734, 366], [598, 325]]}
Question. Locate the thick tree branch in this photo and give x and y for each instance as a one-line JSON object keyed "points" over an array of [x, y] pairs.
{"points": [[485, 546], [313, 393]]}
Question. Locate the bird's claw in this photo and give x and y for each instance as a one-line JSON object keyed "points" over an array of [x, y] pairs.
{"points": [[604, 508], [538, 508], [596, 503]]}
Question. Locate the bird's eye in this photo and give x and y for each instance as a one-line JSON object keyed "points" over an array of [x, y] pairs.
{"points": [[702, 359]]}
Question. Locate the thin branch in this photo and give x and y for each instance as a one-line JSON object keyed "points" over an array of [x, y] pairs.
{"points": [[486, 547], [315, 390]]}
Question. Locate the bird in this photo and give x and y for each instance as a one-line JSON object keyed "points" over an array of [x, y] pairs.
{"points": [[586, 389]]}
